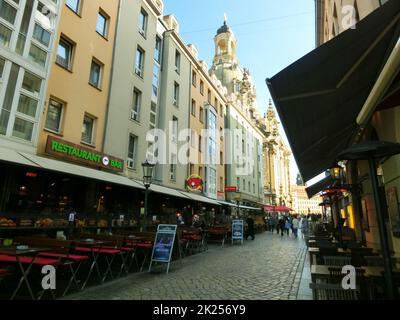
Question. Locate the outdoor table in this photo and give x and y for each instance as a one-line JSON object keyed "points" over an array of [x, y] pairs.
{"points": [[94, 248], [29, 257]]}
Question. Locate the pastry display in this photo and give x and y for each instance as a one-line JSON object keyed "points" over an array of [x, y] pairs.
{"points": [[4, 222]]}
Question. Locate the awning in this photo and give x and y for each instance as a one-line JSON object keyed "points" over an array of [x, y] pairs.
{"points": [[200, 198], [12, 156], [167, 191], [68, 168], [319, 97], [230, 204], [249, 208], [319, 186]]}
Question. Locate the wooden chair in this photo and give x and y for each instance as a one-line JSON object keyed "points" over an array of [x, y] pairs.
{"points": [[326, 291], [337, 260]]}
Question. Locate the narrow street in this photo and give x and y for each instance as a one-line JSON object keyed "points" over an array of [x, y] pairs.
{"points": [[269, 268]]}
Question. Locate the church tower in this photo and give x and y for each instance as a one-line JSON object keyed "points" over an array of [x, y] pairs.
{"points": [[225, 62]]}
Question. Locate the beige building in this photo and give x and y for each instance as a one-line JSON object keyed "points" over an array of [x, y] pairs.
{"points": [[77, 95], [276, 163], [244, 168], [384, 126], [207, 111], [302, 204]]}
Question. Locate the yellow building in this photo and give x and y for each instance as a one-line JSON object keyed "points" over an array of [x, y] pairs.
{"points": [[302, 204], [77, 94]]}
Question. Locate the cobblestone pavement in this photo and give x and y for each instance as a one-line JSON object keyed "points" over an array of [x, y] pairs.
{"points": [[268, 268]]}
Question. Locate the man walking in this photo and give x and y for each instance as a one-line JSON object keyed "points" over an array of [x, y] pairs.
{"points": [[250, 228], [295, 226]]}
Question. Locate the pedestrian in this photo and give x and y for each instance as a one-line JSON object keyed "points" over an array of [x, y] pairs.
{"points": [[281, 225], [295, 226], [288, 225], [304, 226], [250, 228], [272, 223]]}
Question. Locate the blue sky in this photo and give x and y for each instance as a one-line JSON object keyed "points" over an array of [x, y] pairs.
{"points": [[271, 34]]}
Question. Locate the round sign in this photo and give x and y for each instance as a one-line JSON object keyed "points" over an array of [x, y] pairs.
{"points": [[195, 183], [106, 161]]}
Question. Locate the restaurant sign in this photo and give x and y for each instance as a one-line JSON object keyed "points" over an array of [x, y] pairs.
{"points": [[163, 245], [194, 183], [72, 152]]}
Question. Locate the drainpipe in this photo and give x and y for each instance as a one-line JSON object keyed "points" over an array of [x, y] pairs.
{"points": [[111, 77], [389, 72]]}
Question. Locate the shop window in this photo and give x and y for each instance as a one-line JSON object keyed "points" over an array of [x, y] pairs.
{"points": [[95, 74], [88, 130], [54, 116], [64, 53]]}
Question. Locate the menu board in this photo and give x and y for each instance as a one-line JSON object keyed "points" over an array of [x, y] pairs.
{"points": [[163, 244], [237, 230]]}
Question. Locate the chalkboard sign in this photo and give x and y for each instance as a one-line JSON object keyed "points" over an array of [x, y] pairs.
{"points": [[237, 230], [163, 244]]}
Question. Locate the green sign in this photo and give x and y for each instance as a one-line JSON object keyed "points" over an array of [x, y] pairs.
{"points": [[75, 152]]}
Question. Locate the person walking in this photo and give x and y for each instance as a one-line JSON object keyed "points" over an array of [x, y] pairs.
{"points": [[272, 223], [295, 226], [304, 226], [288, 225], [250, 228], [281, 225]]}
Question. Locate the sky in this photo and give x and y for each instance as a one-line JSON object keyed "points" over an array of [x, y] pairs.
{"points": [[271, 35]]}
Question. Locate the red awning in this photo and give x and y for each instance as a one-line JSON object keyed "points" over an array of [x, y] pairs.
{"points": [[270, 208]]}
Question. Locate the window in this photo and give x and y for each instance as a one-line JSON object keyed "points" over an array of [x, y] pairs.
{"points": [[176, 94], [31, 83], [200, 144], [194, 78], [216, 104], [74, 5], [238, 183], [64, 54], [41, 35], [221, 184], [102, 24], [193, 108], [156, 71], [132, 147], [143, 22], [244, 185], [201, 115], [254, 188], [193, 138], [38, 55], [209, 96], [54, 114], [157, 50], [23, 129], [174, 129], [137, 100], [95, 74], [191, 166], [172, 169], [221, 110], [177, 61], [27, 106], [139, 61], [221, 158], [5, 35], [202, 87], [221, 134], [200, 171], [87, 130], [249, 188], [7, 12], [2, 62]]}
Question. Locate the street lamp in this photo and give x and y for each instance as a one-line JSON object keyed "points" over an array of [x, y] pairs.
{"points": [[147, 179], [237, 198]]}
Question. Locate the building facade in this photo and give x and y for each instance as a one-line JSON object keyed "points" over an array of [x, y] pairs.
{"points": [[244, 143], [28, 31], [302, 204], [384, 126], [276, 163]]}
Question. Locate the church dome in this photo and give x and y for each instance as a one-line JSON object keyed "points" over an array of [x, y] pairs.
{"points": [[224, 29]]}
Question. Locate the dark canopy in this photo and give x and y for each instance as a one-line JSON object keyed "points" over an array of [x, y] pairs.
{"points": [[319, 186], [319, 97]]}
